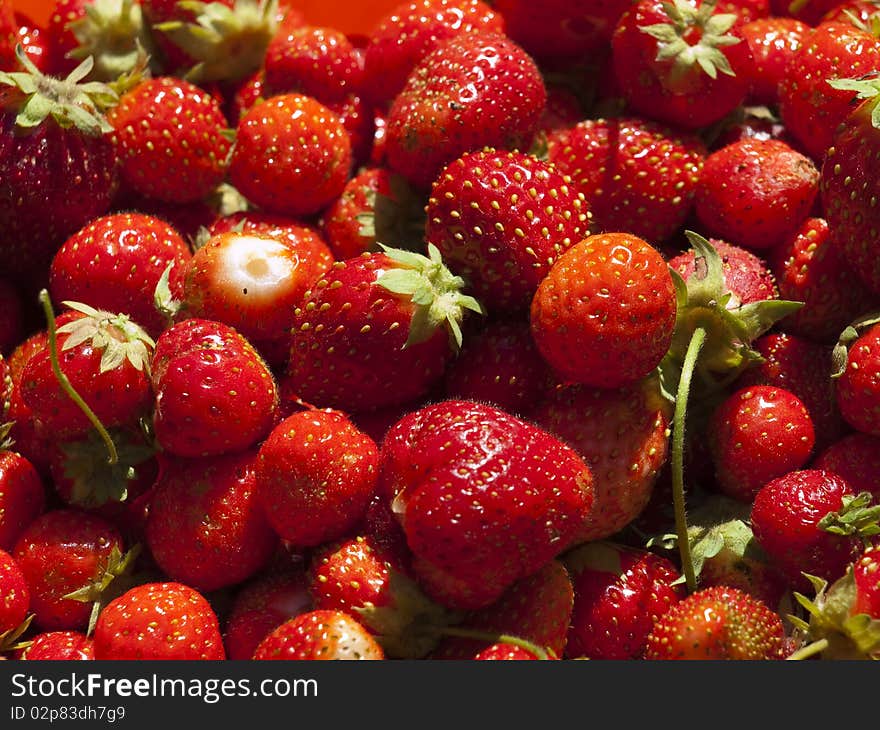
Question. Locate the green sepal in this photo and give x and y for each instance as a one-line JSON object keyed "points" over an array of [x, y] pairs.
{"points": [[11, 640], [163, 299], [858, 516]]}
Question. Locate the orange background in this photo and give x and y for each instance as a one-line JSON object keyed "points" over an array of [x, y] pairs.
{"points": [[350, 16]]}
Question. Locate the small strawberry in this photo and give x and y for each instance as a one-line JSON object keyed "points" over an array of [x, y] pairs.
{"points": [[772, 41], [473, 90], [856, 458], [22, 495], [717, 623], [500, 219], [165, 620], [204, 526], [15, 592], [858, 387], [292, 155], [619, 593], [484, 498], [315, 475], [377, 330], [169, 136], [214, 393], [604, 313], [58, 646], [501, 651], [320, 635]]}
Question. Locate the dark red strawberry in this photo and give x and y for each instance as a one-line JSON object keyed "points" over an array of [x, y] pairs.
{"points": [[320, 635], [165, 621], [484, 498], [717, 623], [12, 316], [22, 496], [315, 475], [58, 646], [683, 63], [474, 90], [856, 458], [858, 387], [169, 135], [772, 41], [637, 176], [605, 312], [15, 592], [377, 330], [619, 593], [214, 393], [292, 155]]}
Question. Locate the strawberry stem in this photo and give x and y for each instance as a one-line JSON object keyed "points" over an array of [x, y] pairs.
{"points": [[65, 383], [808, 651], [678, 495]]}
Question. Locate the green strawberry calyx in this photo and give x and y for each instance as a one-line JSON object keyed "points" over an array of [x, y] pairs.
{"points": [[434, 290], [693, 39], [865, 88], [858, 517], [11, 640], [68, 102], [227, 44]]}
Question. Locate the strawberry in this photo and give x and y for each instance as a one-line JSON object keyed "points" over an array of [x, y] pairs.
{"points": [[65, 551], [204, 527], [536, 608], [315, 475], [619, 593], [858, 389], [169, 136], [637, 176], [8, 35], [106, 359], [15, 592], [35, 40], [22, 496], [261, 605], [501, 651], [810, 266], [500, 220], [236, 403], [473, 90], [115, 263], [409, 31], [715, 623], [377, 330], [319, 635], [758, 433], [790, 518], [856, 458], [12, 313], [59, 127], [748, 177], [772, 42], [164, 620], [623, 435], [604, 314], [810, 108], [682, 63], [810, 13], [58, 646], [278, 172], [449, 470]]}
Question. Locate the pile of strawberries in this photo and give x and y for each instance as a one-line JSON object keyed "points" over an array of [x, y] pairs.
{"points": [[509, 330]]}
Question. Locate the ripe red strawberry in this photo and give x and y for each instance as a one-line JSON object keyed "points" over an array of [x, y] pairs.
{"points": [[605, 312], [500, 219], [866, 574], [772, 41], [483, 497], [292, 155], [372, 580], [856, 458], [756, 193], [858, 388], [637, 176], [165, 620], [683, 63], [169, 136], [810, 108], [106, 359], [619, 593], [811, 267], [214, 393], [204, 527], [537, 608], [22, 496], [320, 635], [473, 90], [717, 623], [788, 518], [64, 551], [377, 330], [409, 31], [623, 435], [115, 263], [62, 129], [262, 605], [15, 594], [501, 651], [316, 473], [758, 433], [58, 646]]}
